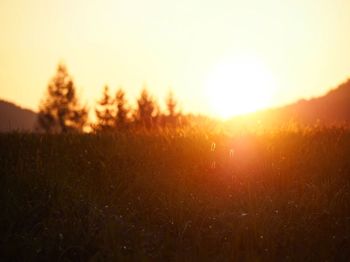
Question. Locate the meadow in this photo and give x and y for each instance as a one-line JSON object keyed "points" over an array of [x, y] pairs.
{"points": [[176, 196]]}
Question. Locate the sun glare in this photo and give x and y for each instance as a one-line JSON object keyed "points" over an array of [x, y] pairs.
{"points": [[239, 85]]}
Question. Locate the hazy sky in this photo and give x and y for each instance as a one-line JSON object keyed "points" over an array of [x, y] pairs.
{"points": [[163, 43]]}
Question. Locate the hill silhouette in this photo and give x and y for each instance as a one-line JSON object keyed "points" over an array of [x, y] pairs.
{"points": [[15, 118], [331, 109]]}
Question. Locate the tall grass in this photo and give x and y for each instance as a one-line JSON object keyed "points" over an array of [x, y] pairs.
{"points": [[173, 196]]}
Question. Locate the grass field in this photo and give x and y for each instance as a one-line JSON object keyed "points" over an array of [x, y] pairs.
{"points": [[186, 196]]}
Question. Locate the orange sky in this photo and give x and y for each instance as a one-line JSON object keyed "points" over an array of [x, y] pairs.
{"points": [[304, 44]]}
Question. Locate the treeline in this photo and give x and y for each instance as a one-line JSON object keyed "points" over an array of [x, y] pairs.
{"points": [[60, 111]]}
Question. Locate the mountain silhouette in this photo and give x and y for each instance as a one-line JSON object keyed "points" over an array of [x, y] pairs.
{"points": [[15, 118], [331, 109]]}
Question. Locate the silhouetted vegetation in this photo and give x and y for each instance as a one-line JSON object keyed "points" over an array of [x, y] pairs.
{"points": [[181, 196], [147, 111], [148, 185], [105, 113], [60, 111], [123, 112], [173, 118], [115, 115]]}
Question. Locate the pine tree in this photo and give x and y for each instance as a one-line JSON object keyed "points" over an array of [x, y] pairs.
{"points": [[173, 116], [105, 112], [60, 111], [122, 116], [146, 113]]}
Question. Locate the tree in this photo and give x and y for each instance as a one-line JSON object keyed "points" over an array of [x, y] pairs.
{"points": [[173, 115], [105, 112], [146, 113], [122, 110], [60, 110], [171, 104]]}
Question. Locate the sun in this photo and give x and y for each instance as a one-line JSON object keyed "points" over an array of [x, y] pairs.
{"points": [[239, 85]]}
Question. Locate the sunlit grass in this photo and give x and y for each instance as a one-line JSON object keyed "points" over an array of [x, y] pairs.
{"points": [[273, 196]]}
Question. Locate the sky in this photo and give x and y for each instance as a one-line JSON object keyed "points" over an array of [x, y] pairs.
{"points": [[164, 44]]}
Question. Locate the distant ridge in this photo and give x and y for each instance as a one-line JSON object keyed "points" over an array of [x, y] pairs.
{"points": [[15, 118], [331, 109]]}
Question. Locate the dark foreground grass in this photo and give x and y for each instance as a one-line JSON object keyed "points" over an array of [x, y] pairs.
{"points": [[176, 197]]}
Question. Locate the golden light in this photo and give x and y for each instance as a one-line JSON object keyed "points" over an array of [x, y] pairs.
{"points": [[239, 85]]}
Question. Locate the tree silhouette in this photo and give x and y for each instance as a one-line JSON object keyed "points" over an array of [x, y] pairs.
{"points": [[105, 112], [60, 111], [146, 113], [173, 114], [171, 104], [121, 118]]}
